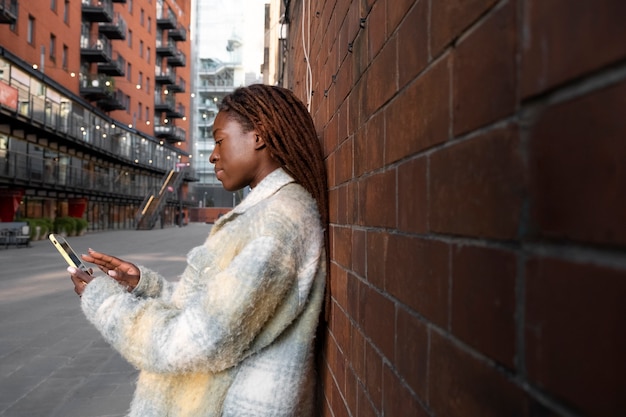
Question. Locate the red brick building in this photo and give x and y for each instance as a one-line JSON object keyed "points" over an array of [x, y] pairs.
{"points": [[476, 163], [94, 110]]}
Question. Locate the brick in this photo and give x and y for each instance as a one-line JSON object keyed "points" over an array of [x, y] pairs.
{"points": [[485, 83], [376, 28], [343, 160], [577, 172], [396, 11], [477, 186], [552, 27], [412, 42], [377, 319], [381, 80], [370, 145], [417, 274], [339, 287], [463, 385], [483, 300], [366, 408], [411, 355], [377, 254], [574, 333], [359, 248], [354, 298], [352, 203], [357, 353], [398, 400], [427, 124], [374, 376], [350, 394], [413, 196], [450, 18], [342, 248], [377, 198], [342, 205]]}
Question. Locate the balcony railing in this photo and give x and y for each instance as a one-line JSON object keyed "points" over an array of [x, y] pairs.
{"points": [[166, 48], [96, 87], [166, 19], [8, 11], [95, 50], [115, 68], [59, 173], [179, 87], [97, 10], [170, 132], [178, 60], [114, 101], [166, 104], [115, 29], [178, 34], [165, 76]]}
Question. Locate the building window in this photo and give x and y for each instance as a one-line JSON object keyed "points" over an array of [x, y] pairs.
{"points": [[53, 47], [149, 24], [66, 11], [130, 6], [148, 55], [147, 86], [140, 82], [141, 49], [130, 38], [30, 31], [128, 72], [140, 110], [53, 5], [141, 17], [64, 57]]}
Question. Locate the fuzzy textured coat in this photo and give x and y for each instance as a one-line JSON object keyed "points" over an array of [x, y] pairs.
{"points": [[234, 336]]}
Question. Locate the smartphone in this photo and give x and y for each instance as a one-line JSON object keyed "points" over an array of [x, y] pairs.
{"points": [[67, 252]]}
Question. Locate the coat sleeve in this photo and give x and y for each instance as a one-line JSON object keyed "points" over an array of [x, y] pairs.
{"points": [[215, 329]]}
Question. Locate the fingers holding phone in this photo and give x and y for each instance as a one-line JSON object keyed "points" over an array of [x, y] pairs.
{"points": [[80, 279]]}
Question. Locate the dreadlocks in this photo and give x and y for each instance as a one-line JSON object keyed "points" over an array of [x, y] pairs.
{"points": [[285, 124]]}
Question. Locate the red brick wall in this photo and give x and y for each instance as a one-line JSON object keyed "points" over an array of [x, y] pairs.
{"points": [[476, 156]]}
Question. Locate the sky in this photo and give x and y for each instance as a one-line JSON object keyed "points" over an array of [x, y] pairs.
{"points": [[220, 20]]}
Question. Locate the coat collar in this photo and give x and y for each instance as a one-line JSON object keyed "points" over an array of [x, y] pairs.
{"points": [[268, 186]]}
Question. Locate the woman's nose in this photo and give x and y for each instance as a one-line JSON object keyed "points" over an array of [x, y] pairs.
{"points": [[213, 157]]}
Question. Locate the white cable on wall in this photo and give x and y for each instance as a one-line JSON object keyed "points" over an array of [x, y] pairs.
{"points": [[306, 46]]}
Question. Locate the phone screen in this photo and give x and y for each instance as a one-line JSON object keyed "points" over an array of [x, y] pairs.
{"points": [[70, 252]]}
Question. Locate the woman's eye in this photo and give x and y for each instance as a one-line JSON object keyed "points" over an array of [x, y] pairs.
{"points": [[218, 142]]}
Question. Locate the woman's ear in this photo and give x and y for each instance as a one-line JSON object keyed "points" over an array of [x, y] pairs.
{"points": [[259, 143]]}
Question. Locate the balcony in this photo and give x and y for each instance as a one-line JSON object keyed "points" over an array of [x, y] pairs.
{"points": [[166, 19], [170, 132], [165, 48], [114, 101], [115, 29], [8, 11], [179, 87], [95, 50], [97, 10], [165, 76], [178, 60], [94, 87], [178, 34], [115, 68], [177, 113], [118, 1], [165, 104]]}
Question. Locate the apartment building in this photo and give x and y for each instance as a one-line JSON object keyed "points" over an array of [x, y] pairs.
{"points": [[94, 111]]}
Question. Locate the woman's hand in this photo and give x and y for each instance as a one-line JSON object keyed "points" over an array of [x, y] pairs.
{"points": [[80, 279], [124, 272]]}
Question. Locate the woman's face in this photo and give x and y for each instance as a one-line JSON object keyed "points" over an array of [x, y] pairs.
{"points": [[236, 157]]}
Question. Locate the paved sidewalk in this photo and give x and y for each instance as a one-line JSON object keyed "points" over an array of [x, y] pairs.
{"points": [[53, 363]]}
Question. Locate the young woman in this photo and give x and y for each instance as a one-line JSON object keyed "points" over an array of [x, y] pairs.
{"points": [[235, 336]]}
